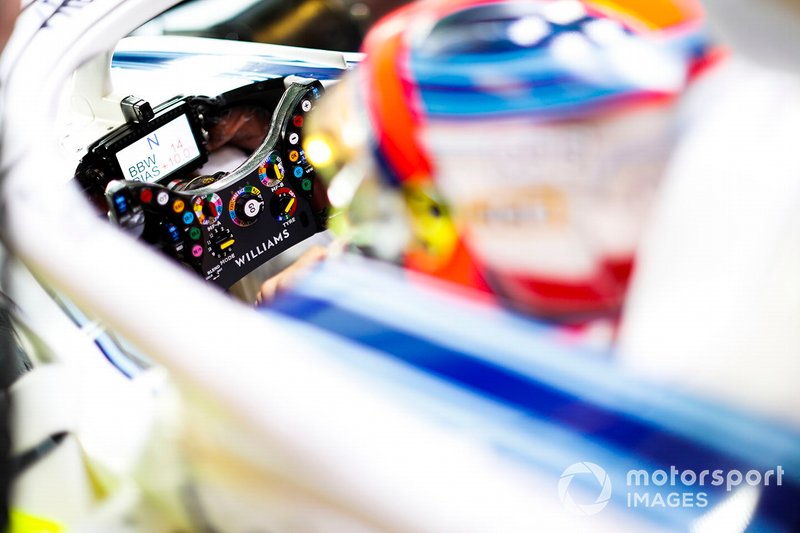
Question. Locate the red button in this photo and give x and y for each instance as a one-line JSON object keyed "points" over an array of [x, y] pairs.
{"points": [[146, 196], [298, 121]]}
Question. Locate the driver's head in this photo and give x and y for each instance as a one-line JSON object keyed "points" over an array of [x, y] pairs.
{"points": [[524, 139]]}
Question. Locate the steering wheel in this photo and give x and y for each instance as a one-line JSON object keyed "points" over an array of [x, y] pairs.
{"points": [[225, 225]]}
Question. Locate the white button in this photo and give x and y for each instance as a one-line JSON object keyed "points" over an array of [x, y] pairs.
{"points": [[293, 138], [305, 105], [162, 198], [251, 208]]}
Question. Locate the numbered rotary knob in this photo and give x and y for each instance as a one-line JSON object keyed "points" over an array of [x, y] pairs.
{"points": [[270, 172], [245, 206], [207, 208], [220, 241], [283, 204]]}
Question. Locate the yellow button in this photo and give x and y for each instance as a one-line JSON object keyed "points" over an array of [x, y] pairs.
{"points": [[178, 205], [294, 156]]}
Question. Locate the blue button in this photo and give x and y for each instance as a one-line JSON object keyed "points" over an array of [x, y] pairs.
{"points": [[188, 217], [298, 172], [173, 232], [122, 204]]}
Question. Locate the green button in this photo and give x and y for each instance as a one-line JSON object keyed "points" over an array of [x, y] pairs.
{"points": [[306, 185], [194, 233]]}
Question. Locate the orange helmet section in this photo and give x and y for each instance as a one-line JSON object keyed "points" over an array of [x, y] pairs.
{"points": [[390, 101], [391, 104], [651, 14]]}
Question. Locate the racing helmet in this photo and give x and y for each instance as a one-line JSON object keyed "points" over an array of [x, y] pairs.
{"points": [[523, 140]]}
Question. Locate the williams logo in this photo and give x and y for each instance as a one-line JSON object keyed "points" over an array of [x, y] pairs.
{"points": [[584, 469], [261, 248]]}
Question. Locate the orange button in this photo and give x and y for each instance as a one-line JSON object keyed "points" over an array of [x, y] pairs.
{"points": [[178, 205]]}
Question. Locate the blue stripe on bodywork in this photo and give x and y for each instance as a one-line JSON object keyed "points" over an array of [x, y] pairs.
{"points": [[634, 440]]}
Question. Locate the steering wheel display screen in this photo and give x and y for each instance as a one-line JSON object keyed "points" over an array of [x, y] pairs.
{"points": [[160, 153]]}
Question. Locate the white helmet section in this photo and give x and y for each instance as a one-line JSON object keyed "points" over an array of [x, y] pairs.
{"points": [[302, 418]]}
